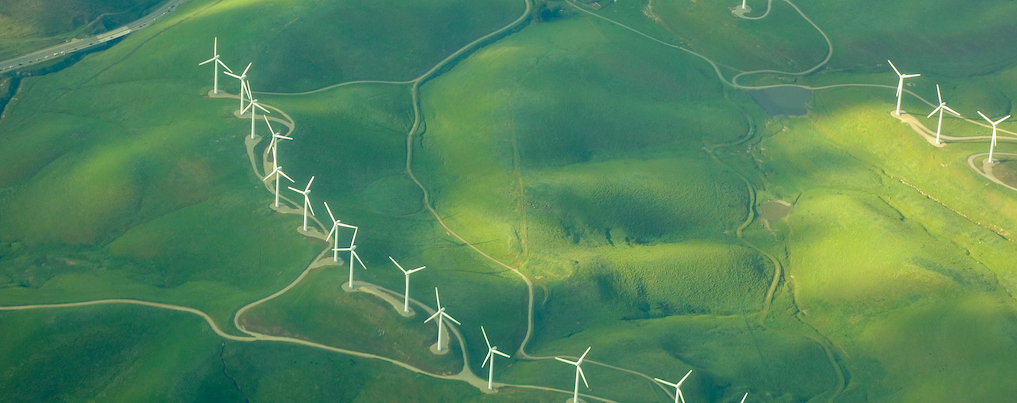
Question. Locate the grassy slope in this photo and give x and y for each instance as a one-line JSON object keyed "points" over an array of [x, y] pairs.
{"points": [[30, 25]]}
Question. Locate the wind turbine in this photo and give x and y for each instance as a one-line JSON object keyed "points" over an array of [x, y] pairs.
{"points": [[942, 107], [352, 249], [743, 4], [307, 201], [406, 295], [678, 387], [243, 83], [274, 144], [579, 373], [252, 105], [900, 84], [993, 143], [335, 226], [440, 314], [278, 172], [216, 62], [491, 351]]}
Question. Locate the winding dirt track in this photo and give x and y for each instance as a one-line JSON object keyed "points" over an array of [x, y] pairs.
{"points": [[466, 374]]}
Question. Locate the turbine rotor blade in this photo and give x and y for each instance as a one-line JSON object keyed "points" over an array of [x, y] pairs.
{"points": [[330, 213], [223, 65], [745, 397], [231, 74], [274, 171], [437, 299], [986, 117], [269, 126], [295, 190], [939, 94], [666, 382], [1001, 120], [416, 270], [684, 378], [486, 340], [938, 108], [449, 317], [307, 201], [206, 61], [565, 361], [248, 68], [495, 350], [308, 188], [329, 236], [487, 358], [894, 67], [284, 175], [584, 355], [398, 265], [357, 256], [911, 75], [433, 316], [947, 108], [581, 374]]}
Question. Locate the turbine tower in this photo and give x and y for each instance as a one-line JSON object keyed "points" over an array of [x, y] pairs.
{"points": [[406, 295], [993, 143], [678, 387], [440, 314], [253, 106], [900, 84], [491, 351], [579, 373], [243, 83], [942, 107], [216, 63], [307, 201], [278, 172]]}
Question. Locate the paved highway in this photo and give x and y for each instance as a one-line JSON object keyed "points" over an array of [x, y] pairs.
{"points": [[81, 44]]}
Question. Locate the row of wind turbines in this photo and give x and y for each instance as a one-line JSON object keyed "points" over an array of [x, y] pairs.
{"points": [[943, 108], [440, 314]]}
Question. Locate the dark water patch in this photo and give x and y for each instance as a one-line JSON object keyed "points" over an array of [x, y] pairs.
{"points": [[784, 100]]}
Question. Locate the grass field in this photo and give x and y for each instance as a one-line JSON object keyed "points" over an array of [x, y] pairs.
{"points": [[619, 175]]}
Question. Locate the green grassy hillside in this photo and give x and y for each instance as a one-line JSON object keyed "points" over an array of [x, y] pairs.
{"points": [[619, 175]]}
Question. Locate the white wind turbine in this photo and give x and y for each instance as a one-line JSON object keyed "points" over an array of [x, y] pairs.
{"points": [[491, 351], [440, 314], [278, 172], [993, 143], [900, 84], [406, 295], [352, 250], [274, 144], [307, 201], [243, 83], [579, 373], [678, 387], [335, 226], [216, 63], [942, 107], [253, 105]]}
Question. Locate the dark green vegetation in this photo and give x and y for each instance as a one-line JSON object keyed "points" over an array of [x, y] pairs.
{"points": [[618, 174], [30, 25]]}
